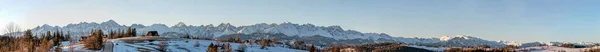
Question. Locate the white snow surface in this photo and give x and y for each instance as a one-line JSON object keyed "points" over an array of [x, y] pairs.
{"points": [[554, 49], [174, 45]]}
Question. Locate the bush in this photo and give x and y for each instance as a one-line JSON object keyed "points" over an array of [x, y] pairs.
{"points": [[263, 46], [264, 43], [212, 48], [335, 49], [94, 41]]}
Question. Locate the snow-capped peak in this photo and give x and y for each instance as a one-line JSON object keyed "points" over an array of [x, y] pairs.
{"points": [[158, 25], [464, 41], [510, 42], [110, 24], [464, 37], [46, 25], [224, 24], [180, 24]]}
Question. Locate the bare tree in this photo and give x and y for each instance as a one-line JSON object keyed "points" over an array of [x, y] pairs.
{"points": [[11, 28]]}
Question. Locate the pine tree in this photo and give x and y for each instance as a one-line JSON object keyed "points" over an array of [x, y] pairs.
{"points": [[44, 43], [129, 32], [110, 34], [122, 34], [68, 36], [99, 37], [57, 38], [27, 41], [133, 33], [209, 47], [312, 49], [58, 49], [48, 34], [115, 35]]}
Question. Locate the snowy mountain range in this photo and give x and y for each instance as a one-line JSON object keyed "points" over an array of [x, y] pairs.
{"points": [[336, 33]]}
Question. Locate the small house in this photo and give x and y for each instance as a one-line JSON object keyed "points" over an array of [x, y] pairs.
{"points": [[152, 33]]}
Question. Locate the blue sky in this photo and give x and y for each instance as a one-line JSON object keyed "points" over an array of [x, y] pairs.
{"points": [[513, 20]]}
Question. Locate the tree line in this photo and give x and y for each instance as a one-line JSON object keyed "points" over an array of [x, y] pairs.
{"points": [[51, 41], [96, 39], [29, 43]]}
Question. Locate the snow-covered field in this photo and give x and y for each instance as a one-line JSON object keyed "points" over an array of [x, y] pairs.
{"points": [[75, 47], [437, 49], [140, 44], [527, 49], [554, 49], [172, 45]]}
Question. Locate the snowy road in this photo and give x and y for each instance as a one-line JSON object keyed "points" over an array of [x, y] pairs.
{"points": [[108, 46]]}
